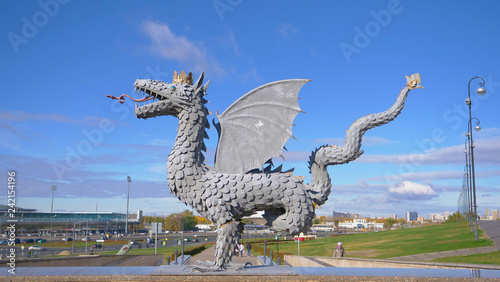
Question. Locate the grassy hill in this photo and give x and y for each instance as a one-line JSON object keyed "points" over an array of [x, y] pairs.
{"points": [[393, 243]]}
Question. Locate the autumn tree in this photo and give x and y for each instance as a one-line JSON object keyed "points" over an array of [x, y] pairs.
{"points": [[181, 221], [389, 222], [456, 216]]}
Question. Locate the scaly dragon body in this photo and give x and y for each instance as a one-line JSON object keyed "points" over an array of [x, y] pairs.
{"points": [[225, 198]]}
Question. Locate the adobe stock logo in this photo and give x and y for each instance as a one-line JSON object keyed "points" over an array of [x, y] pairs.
{"points": [[30, 27], [223, 6], [363, 37]]}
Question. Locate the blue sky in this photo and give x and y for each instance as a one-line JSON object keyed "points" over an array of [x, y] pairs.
{"points": [[60, 59]]}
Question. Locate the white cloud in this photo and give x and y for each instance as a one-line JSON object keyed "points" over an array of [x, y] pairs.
{"points": [[171, 46], [410, 191]]}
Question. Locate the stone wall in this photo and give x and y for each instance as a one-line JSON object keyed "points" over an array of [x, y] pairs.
{"points": [[302, 261], [88, 260]]}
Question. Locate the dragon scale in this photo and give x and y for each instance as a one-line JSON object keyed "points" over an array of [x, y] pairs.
{"points": [[225, 198]]}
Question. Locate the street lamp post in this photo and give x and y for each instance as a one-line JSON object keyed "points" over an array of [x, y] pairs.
{"points": [[480, 91], [467, 183], [74, 236], [128, 195], [53, 188], [181, 227]]}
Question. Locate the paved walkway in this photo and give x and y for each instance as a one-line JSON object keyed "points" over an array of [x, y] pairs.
{"points": [[209, 253], [492, 230], [454, 253], [490, 227]]}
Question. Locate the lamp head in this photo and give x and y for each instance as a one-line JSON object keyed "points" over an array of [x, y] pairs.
{"points": [[477, 128], [481, 91]]}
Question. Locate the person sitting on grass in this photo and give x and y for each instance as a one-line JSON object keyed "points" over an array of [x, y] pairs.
{"points": [[339, 251]]}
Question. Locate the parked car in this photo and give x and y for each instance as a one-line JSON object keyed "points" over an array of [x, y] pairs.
{"points": [[40, 240], [67, 239], [35, 248], [97, 246], [134, 242], [4, 242], [27, 241], [86, 239]]}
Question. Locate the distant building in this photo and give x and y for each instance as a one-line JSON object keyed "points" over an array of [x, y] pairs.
{"points": [[411, 216], [326, 227], [135, 216], [494, 214], [206, 227], [258, 218], [361, 224], [31, 220], [394, 216], [420, 219], [436, 217], [446, 215]]}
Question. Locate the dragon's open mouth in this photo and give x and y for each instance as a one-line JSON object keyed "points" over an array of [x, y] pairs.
{"points": [[160, 99], [151, 96], [152, 105]]}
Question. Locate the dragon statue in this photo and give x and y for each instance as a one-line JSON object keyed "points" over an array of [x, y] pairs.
{"points": [[252, 130]]}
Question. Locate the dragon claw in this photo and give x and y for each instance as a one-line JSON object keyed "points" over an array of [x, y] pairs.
{"points": [[209, 266], [413, 82]]}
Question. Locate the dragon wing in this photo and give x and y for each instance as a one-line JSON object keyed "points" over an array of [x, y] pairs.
{"points": [[255, 127]]}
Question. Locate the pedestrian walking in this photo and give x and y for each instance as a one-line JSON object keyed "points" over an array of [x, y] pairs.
{"points": [[242, 250], [339, 251], [249, 249]]}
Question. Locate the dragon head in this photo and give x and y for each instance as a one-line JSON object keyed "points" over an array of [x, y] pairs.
{"points": [[164, 98]]}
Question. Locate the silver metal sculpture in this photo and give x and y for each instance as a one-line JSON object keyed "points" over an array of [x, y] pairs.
{"points": [[124, 250], [252, 130]]}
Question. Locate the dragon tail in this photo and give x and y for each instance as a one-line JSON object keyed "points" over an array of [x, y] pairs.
{"points": [[324, 156]]}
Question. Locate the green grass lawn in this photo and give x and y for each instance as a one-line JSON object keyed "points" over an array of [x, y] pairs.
{"points": [[489, 258], [394, 243], [78, 244], [166, 251]]}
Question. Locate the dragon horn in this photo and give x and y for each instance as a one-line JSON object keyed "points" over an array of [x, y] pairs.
{"points": [[205, 87], [199, 82]]}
